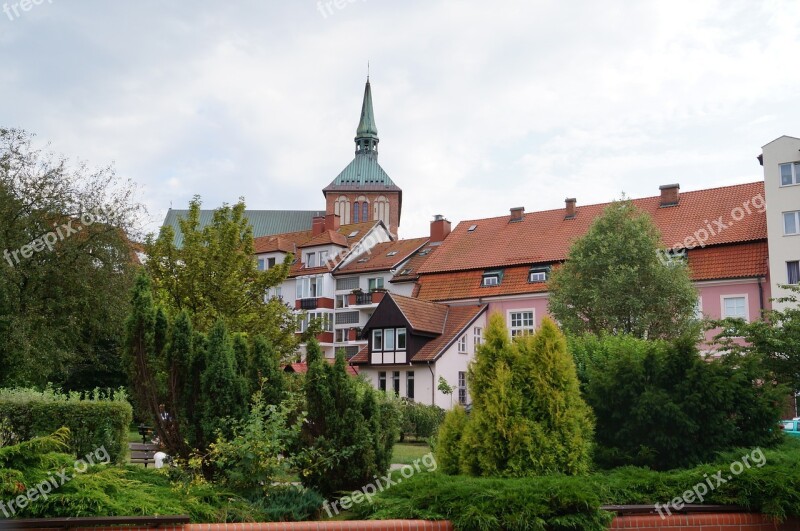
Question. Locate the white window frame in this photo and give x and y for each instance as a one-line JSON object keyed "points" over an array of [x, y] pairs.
{"points": [[735, 296], [462, 344], [311, 259], [377, 281], [543, 271], [787, 270], [512, 328], [389, 337], [796, 222], [490, 281], [795, 169], [323, 257], [397, 334], [410, 379], [461, 385], [303, 287], [375, 333], [262, 264], [698, 308], [477, 333]]}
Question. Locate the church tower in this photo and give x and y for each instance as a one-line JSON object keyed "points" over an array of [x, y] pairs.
{"points": [[363, 191]]}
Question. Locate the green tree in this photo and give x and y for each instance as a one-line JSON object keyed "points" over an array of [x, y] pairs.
{"points": [[66, 268], [659, 404], [222, 392], [614, 281], [774, 340], [213, 276], [265, 365], [527, 417], [350, 429]]}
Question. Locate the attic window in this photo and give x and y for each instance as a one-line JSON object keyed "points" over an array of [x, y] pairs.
{"points": [[406, 271], [352, 234], [391, 253], [492, 278], [362, 260], [472, 228], [538, 274], [424, 252]]}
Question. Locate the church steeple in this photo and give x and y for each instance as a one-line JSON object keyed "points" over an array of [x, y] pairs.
{"points": [[367, 133]]}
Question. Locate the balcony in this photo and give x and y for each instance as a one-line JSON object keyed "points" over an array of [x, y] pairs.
{"points": [[366, 299], [306, 304]]}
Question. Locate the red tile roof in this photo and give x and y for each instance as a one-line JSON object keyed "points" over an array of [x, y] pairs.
{"points": [[378, 257], [467, 285], [729, 261], [302, 368], [410, 270], [446, 322], [546, 236], [329, 237], [289, 242]]}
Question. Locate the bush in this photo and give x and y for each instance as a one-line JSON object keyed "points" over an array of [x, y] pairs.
{"points": [[570, 502], [419, 420], [291, 504], [448, 442], [661, 405], [528, 416], [96, 421], [351, 428]]}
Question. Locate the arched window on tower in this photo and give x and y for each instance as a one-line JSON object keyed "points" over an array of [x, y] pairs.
{"points": [[356, 211], [365, 211], [381, 209], [361, 209], [342, 208]]}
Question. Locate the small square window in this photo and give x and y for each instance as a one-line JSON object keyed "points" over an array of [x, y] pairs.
{"points": [[462, 344], [492, 278], [377, 340], [311, 259], [734, 307], [791, 223], [538, 274], [790, 173]]}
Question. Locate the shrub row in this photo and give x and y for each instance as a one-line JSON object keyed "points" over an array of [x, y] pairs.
{"points": [[573, 502], [419, 420], [94, 421]]}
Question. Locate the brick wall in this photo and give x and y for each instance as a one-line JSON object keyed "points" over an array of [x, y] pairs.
{"points": [[374, 525], [704, 522]]}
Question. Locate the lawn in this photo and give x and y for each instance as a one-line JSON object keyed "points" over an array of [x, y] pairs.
{"points": [[406, 452]]}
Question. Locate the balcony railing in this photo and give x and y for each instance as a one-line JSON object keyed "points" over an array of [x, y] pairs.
{"points": [[308, 304]]}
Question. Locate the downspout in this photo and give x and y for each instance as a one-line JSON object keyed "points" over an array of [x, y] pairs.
{"points": [[433, 384], [761, 294]]}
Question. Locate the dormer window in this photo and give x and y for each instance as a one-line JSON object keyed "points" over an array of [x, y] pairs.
{"points": [[492, 278], [538, 274], [311, 259]]}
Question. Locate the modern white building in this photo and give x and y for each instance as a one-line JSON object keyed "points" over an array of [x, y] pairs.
{"points": [[781, 161]]}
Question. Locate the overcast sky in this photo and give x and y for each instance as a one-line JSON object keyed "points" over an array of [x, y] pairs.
{"points": [[480, 106]]}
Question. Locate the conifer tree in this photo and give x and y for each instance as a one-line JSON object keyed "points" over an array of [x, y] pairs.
{"points": [[264, 365]]}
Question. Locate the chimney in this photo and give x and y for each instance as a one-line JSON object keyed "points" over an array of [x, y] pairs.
{"points": [[332, 222], [516, 214], [317, 225], [569, 210], [440, 228], [670, 194]]}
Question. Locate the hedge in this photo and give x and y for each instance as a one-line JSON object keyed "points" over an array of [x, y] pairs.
{"points": [[98, 420], [573, 502]]}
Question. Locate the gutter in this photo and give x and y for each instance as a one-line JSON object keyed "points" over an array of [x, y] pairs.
{"points": [[761, 294], [433, 383]]}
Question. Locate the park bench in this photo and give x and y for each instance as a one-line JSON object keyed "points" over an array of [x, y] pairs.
{"points": [[143, 453], [104, 521]]}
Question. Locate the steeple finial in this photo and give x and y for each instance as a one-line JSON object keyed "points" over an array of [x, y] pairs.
{"points": [[367, 133]]}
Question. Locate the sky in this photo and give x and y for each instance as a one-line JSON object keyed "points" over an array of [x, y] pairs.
{"points": [[480, 106]]}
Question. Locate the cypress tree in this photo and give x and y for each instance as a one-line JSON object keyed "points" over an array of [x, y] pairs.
{"points": [[264, 365]]}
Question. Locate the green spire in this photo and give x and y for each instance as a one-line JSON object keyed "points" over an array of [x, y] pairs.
{"points": [[367, 132]]}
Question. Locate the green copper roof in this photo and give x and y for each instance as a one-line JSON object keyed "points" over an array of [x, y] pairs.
{"points": [[263, 222], [363, 173], [366, 126]]}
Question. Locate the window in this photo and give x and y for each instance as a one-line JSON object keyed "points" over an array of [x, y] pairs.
{"points": [[698, 308], [356, 211], [323, 257], [311, 259], [401, 339], [325, 320], [261, 264], [521, 322], [391, 253], [462, 344], [538, 274], [492, 278], [472, 228], [375, 283], [793, 272], [343, 284], [388, 339], [310, 287], [341, 335], [396, 382], [462, 388], [365, 211], [382, 381], [347, 318], [735, 307], [791, 223], [342, 301], [410, 385], [377, 340], [478, 336], [270, 263], [790, 173]]}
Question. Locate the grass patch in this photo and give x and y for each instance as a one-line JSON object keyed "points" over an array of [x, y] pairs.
{"points": [[406, 452]]}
